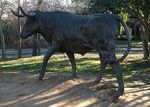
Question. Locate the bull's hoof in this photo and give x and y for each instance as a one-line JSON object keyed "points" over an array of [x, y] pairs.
{"points": [[98, 80], [41, 77], [121, 91], [74, 76], [115, 99], [115, 96]]}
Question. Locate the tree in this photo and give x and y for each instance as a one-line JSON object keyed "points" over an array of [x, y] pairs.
{"points": [[36, 38], [2, 40], [140, 10], [19, 30], [137, 9], [2, 11], [81, 6]]}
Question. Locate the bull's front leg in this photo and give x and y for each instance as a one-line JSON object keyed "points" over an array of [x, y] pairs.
{"points": [[73, 63], [51, 50]]}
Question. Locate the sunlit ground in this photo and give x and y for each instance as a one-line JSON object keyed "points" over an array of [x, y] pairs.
{"points": [[133, 64], [20, 86]]}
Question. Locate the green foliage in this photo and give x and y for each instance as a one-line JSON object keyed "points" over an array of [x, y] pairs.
{"points": [[80, 6], [105, 6], [141, 6], [57, 63], [117, 6]]}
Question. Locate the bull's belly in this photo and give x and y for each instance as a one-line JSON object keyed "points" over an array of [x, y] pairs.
{"points": [[80, 49]]}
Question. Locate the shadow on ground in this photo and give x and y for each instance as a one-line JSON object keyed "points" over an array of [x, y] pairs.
{"points": [[59, 90], [22, 89]]}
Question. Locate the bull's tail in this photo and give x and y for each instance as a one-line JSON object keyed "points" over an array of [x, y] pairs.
{"points": [[128, 38]]}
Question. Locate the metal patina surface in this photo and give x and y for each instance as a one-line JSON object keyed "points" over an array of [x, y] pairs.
{"points": [[69, 33]]}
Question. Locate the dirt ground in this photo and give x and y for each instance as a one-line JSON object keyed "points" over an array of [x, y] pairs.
{"points": [[59, 90]]}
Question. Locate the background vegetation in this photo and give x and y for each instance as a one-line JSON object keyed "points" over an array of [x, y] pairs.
{"points": [[134, 12]]}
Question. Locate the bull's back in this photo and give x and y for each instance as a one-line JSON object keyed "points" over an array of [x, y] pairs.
{"points": [[102, 24], [71, 24]]}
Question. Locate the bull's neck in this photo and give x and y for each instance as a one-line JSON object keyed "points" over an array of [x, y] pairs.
{"points": [[47, 32], [48, 21], [46, 35]]}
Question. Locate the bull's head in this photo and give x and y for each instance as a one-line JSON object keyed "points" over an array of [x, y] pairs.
{"points": [[30, 27]]}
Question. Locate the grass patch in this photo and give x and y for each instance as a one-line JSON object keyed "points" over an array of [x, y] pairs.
{"points": [[58, 63], [133, 67], [125, 42]]}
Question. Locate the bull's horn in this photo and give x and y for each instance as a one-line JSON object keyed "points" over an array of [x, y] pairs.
{"points": [[27, 14], [16, 14]]}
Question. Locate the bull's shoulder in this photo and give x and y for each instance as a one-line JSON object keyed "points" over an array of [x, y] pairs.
{"points": [[57, 13], [61, 12]]}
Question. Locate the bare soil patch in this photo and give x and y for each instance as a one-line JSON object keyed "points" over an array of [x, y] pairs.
{"points": [[59, 90]]}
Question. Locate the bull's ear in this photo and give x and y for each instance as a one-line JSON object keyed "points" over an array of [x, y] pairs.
{"points": [[31, 14], [16, 14]]}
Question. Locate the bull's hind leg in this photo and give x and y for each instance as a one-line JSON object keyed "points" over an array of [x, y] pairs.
{"points": [[109, 57], [73, 63], [102, 69], [118, 72], [47, 55]]}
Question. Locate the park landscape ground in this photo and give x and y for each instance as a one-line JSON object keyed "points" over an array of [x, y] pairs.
{"points": [[19, 85]]}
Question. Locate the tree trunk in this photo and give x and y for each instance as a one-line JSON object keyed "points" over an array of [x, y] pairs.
{"points": [[34, 51], [146, 28], [19, 39], [19, 48], [36, 48], [145, 40], [2, 40], [38, 45], [3, 46], [149, 48], [145, 49]]}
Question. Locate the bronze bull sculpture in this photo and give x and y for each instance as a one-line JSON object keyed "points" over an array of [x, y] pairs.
{"points": [[69, 33]]}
